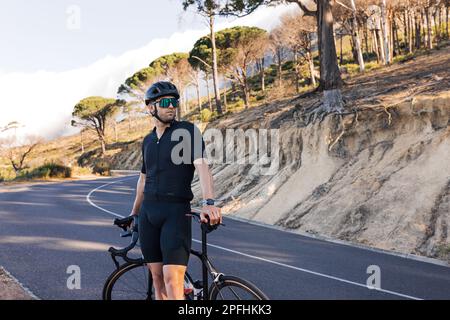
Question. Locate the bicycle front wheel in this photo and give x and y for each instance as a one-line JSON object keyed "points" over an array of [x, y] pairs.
{"points": [[233, 288], [132, 281]]}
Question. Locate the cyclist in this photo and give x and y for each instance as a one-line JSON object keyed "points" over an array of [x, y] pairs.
{"points": [[171, 152]]}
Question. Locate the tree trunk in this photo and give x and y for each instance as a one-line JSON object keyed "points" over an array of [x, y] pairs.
{"points": [[391, 38], [82, 142], [115, 131], [103, 144], [214, 60], [263, 86], [260, 67], [209, 95], [311, 68], [245, 91], [436, 25], [352, 45], [366, 38], [297, 89], [406, 31], [418, 30], [375, 45], [396, 41], [385, 30], [411, 32], [185, 101], [197, 89], [382, 50], [423, 26], [446, 20], [225, 104], [278, 53], [330, 76], [355, 35], [440, 24], [429, 31]]}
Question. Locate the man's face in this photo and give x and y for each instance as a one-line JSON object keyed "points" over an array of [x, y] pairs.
{"points": [[166, 114]]}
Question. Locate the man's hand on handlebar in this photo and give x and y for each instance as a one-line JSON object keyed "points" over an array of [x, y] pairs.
{"points": [[214, 213]]}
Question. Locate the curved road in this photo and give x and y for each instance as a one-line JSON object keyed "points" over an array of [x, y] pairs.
{"points": [[47, 227]]}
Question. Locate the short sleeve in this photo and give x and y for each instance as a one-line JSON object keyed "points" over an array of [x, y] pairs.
{"points": [[198, 144], [143, 169]]}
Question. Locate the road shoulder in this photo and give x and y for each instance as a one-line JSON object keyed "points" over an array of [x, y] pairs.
{"points": [[12, 289]]}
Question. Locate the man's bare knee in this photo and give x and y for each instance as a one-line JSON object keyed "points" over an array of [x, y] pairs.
{"points": [[157, 273]]}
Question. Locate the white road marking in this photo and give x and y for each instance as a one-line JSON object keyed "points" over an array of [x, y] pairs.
{"points": [[256, 257], [88, 197]]}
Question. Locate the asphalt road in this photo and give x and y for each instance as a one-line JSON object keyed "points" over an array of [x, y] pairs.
{"points": [[47, 227]]}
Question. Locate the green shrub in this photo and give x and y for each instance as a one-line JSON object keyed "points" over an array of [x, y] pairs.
{"points": [[206, 115], [102, 167], [54, 170], [7, 173], [351, 68], [48, 170], [403, 58], [372, 65], [80, 171], [288, 65]]}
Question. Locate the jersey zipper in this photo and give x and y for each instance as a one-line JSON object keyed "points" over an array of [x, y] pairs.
{"points": [[157, 160]]}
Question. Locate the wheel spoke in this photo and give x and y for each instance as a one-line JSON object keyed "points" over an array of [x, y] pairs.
{"points": [[130, 283], [236, 289], [231, 289]]}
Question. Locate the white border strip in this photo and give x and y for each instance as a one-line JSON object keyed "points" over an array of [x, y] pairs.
{"points": [[259, 258]]}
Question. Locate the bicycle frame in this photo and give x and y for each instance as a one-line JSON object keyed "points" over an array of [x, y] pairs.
{"points": [[207, 266]]}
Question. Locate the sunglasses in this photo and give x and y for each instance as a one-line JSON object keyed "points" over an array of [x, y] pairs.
{"points": [[166, 102]]}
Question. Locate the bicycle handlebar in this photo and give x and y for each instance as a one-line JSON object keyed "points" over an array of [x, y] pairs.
{"points": [[130, 226]]}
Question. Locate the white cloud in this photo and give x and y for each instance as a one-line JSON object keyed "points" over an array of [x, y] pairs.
{"points": [[43, 101]]}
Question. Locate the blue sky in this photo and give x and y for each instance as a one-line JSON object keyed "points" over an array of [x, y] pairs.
{"points": [[37, 35], [57, 57]]}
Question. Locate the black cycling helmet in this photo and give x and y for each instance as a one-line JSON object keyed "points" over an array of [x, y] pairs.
{"points": [[160, 89]]}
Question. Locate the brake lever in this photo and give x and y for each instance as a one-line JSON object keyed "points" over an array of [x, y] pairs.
{"points": [[197, 218]]}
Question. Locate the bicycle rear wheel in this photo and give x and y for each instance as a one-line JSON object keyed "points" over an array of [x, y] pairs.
{"points": [[132, 281], [234, 288]]}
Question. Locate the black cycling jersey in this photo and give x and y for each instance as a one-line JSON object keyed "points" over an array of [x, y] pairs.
{"points": [[168, 161]]}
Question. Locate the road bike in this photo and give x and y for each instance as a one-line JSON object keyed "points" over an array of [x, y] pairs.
{"points": [[133, 281]]}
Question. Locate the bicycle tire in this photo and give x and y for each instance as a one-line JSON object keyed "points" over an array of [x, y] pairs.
{"points": [[116, 275], [231, 281]]}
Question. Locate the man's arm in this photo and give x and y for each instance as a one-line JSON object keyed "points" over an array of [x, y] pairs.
{"points": [[139, 194], [207, 185]]}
